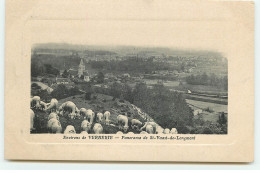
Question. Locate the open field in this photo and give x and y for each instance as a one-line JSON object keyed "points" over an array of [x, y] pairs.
{"points": [[218, 70], [203, 105], [223, 101], [201, 89], [171, 83], [208, 116], [165, 83]]}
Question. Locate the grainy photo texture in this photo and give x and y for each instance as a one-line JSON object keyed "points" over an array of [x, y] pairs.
{"points": [[95, 89], [149, 80]]}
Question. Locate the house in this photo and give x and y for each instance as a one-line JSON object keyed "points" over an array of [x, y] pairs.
{"points": [[109, 75], [73, 73], [61, 72], [39, 78], [106, 80], [62, 80], [126, 75], [97, 85], [137, 79], [43, 86], [86, 76]]}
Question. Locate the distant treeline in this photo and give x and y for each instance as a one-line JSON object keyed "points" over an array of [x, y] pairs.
{"points": [[134, 65], [98, 52], [128, 65], [59, 62], [72, 52], [38, 69], [211, 80]]}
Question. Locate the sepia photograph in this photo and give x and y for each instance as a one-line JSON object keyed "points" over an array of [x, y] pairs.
{"points": [[130, 81], [127, 90]]}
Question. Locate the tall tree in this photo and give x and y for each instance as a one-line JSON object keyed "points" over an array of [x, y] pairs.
{"points": [[65, 74], [100, 77]]}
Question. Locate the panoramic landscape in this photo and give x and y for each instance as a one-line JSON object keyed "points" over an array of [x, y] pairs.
{"points": [[127, 90]]}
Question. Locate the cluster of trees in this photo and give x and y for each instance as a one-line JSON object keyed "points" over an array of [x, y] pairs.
{"points": [[39, 69], [65, 74], [57, 61], [61, 91], [168, 109], [200, 126], [204, 79], [99, 78]]}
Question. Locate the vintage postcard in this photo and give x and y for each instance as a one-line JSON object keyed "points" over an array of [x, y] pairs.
{"points": [[141, 80]]}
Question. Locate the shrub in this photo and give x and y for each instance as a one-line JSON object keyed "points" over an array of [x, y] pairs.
{"points": [[222, 119], [183, 129], [199, 121], [88, 96], [74, 91], [35, 86], [224, 129], [209, 109], [207, 130], [60, 92]]}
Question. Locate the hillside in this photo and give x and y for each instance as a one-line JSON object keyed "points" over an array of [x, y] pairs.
{"points": [[122, 50], [101, 103]]}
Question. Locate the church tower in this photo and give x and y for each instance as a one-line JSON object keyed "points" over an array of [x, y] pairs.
{"points": [[81, 68]]}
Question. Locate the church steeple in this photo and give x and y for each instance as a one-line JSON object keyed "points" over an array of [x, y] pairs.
{"points": [[81, 68], [81, 62]]}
